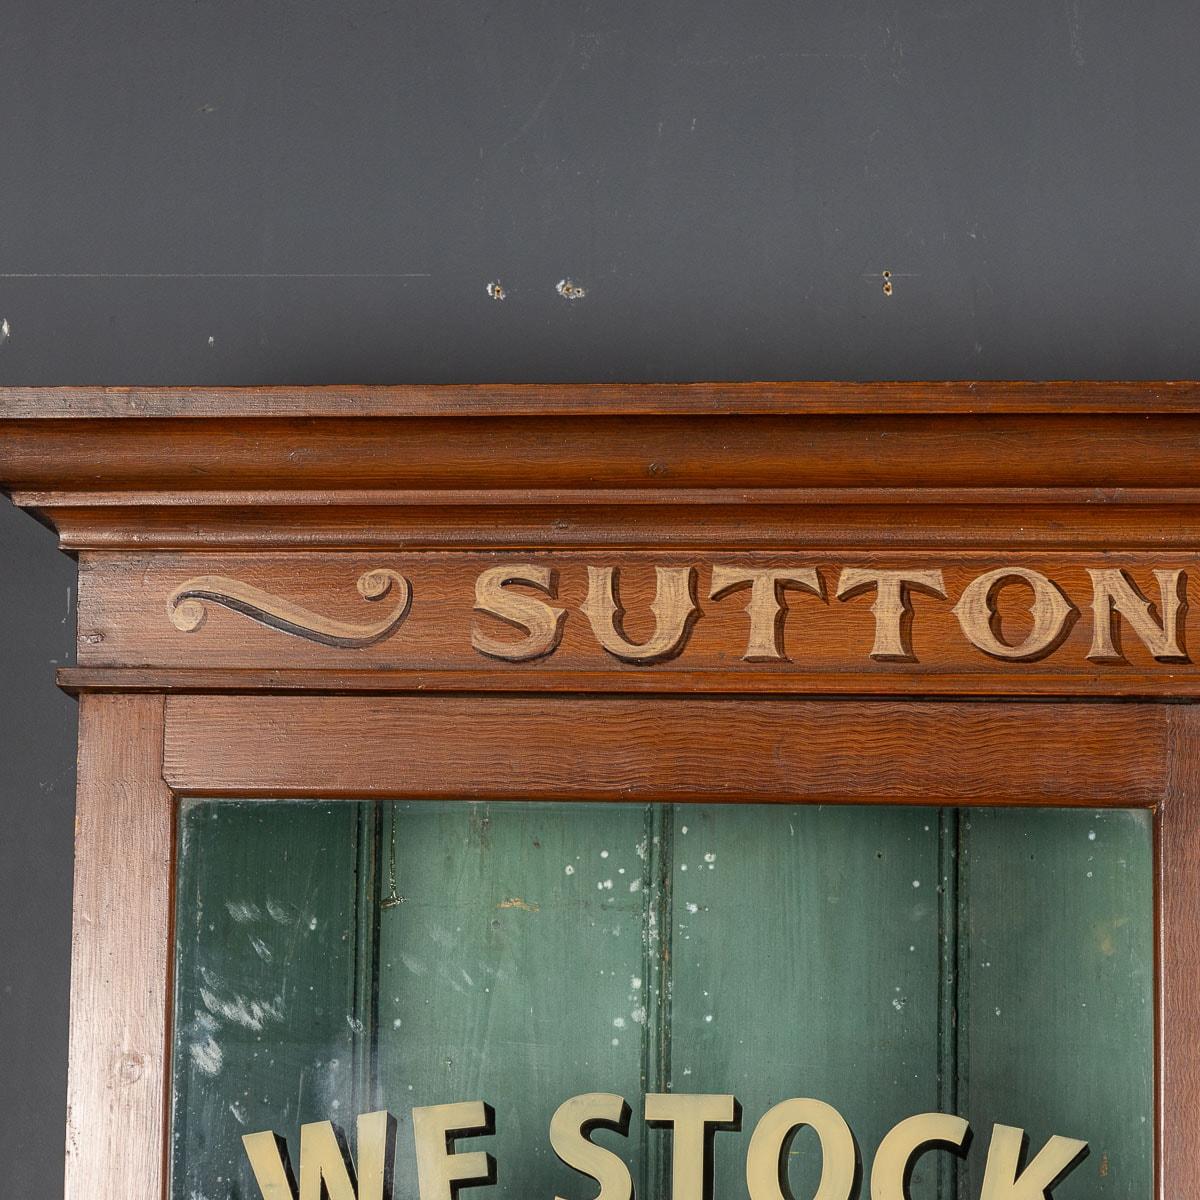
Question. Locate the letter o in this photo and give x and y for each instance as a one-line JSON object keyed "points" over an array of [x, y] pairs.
{"points": [[1051, 612], [766, 1171]]}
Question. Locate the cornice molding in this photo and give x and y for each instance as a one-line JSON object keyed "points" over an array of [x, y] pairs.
{"points": [[832, 464]]}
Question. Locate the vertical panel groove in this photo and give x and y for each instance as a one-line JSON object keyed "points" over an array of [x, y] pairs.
{"points": [[657, 880]]}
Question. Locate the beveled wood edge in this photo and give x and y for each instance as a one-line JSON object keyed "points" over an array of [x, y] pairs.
{"points": [[618, 399], [880, 684]]}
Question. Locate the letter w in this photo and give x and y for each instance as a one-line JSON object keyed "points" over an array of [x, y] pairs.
{"points": [[325, 1166]]}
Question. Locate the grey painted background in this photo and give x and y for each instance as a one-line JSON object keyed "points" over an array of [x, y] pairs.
{"points": [[199, 191]]}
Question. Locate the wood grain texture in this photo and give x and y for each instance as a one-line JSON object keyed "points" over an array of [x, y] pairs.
{"points": [[825, 644], [599, 748], [120, 965], [865, 519], [731, 465], [656, 453], [1101, 396], [1178, 920], [1135, 685]]}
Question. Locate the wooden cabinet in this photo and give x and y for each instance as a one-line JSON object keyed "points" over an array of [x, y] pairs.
{"points": [[504, 745]]}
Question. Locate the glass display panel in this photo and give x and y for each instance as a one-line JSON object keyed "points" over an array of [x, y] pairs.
{"points": [[337, 959]]}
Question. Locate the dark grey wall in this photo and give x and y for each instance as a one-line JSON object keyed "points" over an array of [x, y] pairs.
{"points": [[202, 191]]}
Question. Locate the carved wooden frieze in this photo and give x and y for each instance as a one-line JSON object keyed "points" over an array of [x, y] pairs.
{"points": [[759, 617]]}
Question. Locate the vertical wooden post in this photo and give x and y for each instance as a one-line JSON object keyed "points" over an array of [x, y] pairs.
{"points": [[1178, 1093], [117, 1128]]}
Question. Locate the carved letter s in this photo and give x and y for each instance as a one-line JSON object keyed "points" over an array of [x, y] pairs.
{"points": [[542, 624]]}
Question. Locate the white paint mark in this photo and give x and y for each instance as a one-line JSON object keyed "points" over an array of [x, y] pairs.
{"points": [[635, 982], [603, 853], [916, 883], [238, 1112], [568, 869], [414, 966], [212, 341], [638, 1015], [683, 866], [898, 1004], [282, 912], [238, 1010], [710, 857], [693, 908], [641, 849], [1091, 835], [261, 949], [356, 1026], [616, 1041], [708, 1018], [618, 1022], [313, 924], [207, 1056], [683, 830], [635, 885], [495, 289], [242, 911], [5, 331]]}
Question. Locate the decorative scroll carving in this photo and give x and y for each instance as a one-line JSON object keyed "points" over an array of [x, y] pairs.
{"points": [[187, 611]]}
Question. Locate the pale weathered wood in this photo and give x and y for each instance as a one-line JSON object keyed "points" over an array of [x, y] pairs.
{"points": [[1100, 755], [121, 955]]}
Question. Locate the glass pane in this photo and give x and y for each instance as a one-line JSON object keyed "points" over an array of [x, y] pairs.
{"points": [[336, 959]]}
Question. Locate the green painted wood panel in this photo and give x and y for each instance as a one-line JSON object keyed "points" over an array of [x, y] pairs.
{"points": [[1056, 978], [513, 970], [805, 962], [267, 987], [337, 958]]}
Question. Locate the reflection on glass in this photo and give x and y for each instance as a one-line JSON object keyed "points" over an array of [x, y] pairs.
{"points": [[335, 959]]}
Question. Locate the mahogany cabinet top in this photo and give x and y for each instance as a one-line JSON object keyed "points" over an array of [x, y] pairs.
{"points": [[654, 438]]}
